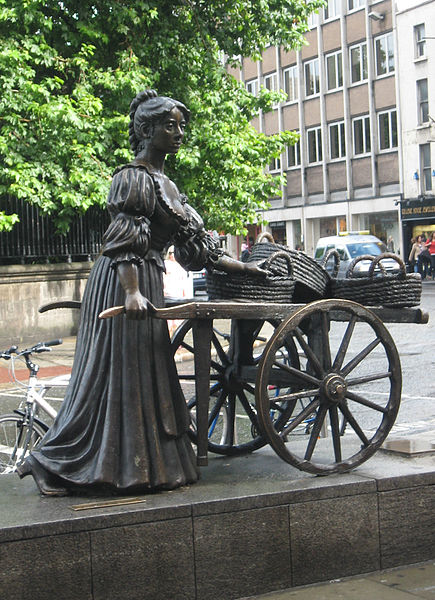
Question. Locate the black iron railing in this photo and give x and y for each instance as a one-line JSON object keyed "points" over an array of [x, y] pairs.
{"points": [[35, 239]]}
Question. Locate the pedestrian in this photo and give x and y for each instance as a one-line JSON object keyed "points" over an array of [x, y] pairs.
{"points": [[430, 245], [419, 266], [390, 244]]}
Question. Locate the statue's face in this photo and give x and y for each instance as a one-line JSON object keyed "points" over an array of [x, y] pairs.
{"points": [[168, 134]]}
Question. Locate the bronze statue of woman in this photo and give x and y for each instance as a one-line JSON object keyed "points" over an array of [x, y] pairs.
{"points": [[122, 427]]}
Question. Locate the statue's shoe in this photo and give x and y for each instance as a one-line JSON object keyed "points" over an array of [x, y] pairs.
{"points": [[48, 484]]}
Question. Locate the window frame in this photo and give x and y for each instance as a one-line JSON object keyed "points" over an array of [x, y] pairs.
{"points": [[275, 165], [314, 77], [338, 66], [422, 101], [366, 135], [390, 52], [271, 77], [294, 81], [253, 82], [392, 130], [336, 10], [341, 140], [358, 5], [426, 167], [419, 41], [296, 149], [363, 63], [317, 133]]}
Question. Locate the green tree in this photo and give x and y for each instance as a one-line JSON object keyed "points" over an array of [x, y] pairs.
{"points": [[68, 71]]}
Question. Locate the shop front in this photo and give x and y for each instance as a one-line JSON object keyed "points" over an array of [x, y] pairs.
{"points": [[418, 218]]}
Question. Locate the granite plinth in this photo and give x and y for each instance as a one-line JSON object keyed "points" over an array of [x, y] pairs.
{"points": [[252, 524]]}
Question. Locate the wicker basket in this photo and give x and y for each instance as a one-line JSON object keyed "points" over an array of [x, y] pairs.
{"points": [[272, 288], [311, 279], [383, 289]]}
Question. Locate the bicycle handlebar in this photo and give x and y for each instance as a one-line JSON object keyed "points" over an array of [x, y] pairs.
{"points": [[39, 347]]}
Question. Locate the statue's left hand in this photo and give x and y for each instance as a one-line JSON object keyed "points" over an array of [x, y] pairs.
{"points": [[255, 268]]}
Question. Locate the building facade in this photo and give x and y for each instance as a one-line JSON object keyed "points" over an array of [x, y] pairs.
{"points": [[343, 97]]}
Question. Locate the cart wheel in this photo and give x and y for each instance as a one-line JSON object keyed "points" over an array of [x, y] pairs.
{"points": [[233, 423], [349, 371]]}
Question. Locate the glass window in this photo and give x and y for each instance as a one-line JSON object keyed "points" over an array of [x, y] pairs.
{"points": [[420, 42], [332, 9], [334, 70], [384, 49], [361, 135], [294, 155], [275, 164], [355, 4], [358, 63], [291, 83], [313, 20], [387, 130], [423, 101], [252, 86], [271, 82], [337, 140], [314, 144], [425, 167], [312, 81]]}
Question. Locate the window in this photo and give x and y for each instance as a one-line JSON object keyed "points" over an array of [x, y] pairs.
{"points": [[423, 101], [291, 83], [294, 155], [275, 165], [384, 50], [337, 143], [314, 139], [358, 63], [332, 10], [313, 20], [361, 135], [334, 71], [355, 4], [425, 167], [312, 81], [252, 86], [271, 82], [420, 42], [387, 130]]}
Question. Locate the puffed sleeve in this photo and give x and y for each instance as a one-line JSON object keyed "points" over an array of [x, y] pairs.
{"points": [[195, 248], [131, 203]]}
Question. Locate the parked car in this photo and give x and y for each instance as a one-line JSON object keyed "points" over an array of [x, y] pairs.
{"points": [[199, 281], [349, 245]]}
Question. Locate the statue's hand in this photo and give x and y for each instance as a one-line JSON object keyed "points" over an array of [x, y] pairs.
{"points": [[256, 268], [136, 306]]}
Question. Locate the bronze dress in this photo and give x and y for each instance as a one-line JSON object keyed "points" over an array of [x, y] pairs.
{"points": [[122, 426]]}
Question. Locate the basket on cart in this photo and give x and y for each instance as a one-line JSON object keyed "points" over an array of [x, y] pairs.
{"points": [[311, 279], [277, 286], [379, 288]]}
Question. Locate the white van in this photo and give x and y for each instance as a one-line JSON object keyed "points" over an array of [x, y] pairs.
{"points": [[351, 244]]}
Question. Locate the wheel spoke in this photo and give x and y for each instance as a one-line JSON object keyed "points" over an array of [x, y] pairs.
{"points": [[294, 396], [309, 353], [230, 437], [297, 373], [353, 423], [325, 336], [217, 407], [357, 398], [248, 408], [368, 378], [219, 350], [360, 357], [314, 436], [335, 430], [308, 410], [341, 353]]}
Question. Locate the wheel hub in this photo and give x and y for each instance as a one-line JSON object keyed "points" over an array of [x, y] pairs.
{"points": [[334, 387]]}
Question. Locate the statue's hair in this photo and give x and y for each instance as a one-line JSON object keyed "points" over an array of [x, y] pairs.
{"points": [[149, 108]]}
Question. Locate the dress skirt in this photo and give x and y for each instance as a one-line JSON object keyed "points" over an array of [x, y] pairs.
{"points": [[123, 424]]}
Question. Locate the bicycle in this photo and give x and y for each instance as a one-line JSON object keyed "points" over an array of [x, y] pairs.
{"points": [[22, 430]]}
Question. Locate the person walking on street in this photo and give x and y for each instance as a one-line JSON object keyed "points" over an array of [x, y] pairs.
{"points": [[430, 245], [414, 257]]}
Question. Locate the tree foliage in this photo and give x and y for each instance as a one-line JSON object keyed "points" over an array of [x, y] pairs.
{"points": [[69, 69]]}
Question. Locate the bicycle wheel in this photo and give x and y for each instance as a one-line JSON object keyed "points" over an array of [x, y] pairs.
{"points": [[233, 425], [13, 436]]}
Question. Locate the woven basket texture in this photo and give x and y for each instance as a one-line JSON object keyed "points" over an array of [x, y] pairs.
{"points": [[383, 289]]}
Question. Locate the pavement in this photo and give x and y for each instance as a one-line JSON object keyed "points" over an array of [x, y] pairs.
{"points": [[405, 583]]}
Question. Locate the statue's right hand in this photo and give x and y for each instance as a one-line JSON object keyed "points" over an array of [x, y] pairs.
{"points": [[136, 306]]}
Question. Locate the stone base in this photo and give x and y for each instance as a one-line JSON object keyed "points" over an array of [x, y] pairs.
{"points": [[253, 524]]}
